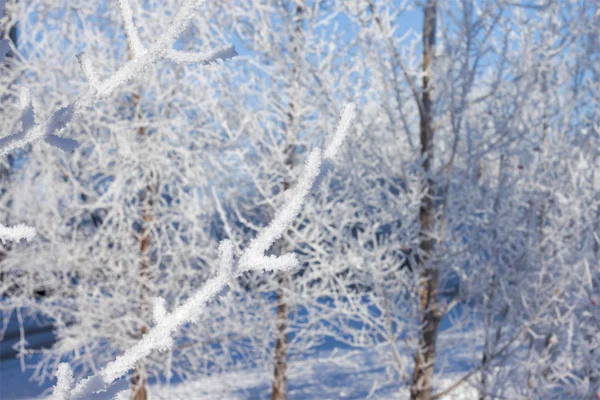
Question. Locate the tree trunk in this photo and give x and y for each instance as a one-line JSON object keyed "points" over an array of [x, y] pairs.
{"points": [[421, 387], [488, 320], [280, 373], [281, 344], [139, 378]]}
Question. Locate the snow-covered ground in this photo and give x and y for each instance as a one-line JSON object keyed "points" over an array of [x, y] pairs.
{"points": [[348, 374], [331, 373], [345, 375]]}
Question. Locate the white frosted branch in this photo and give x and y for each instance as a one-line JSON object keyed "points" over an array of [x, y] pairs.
{"points": [[26, 121], [335, 144], [58, 121], [346, 121], [64, 382], [265, 239], [285, 262], [253, 258], [28, 131], [157, 51], [24, 97], [89, 71], [16, 233], [159, 337], [159, 310], [61, 118], [222, 54], [226, 257], [131, 32]]}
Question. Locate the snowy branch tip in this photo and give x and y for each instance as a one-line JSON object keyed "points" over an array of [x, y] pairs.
{"points": [[64, 382], [16, 233], [346, 121]]}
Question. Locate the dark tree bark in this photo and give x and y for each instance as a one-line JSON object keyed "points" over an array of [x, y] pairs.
{"points": [[139, 378], [280, 373], [281, 344], [422, 381]]}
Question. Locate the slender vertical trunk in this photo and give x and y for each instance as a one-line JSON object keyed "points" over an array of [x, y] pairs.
{"points": [[489, 300], [421, 387], [280, 373], [281, 344], [139, 378], [531, 379]]}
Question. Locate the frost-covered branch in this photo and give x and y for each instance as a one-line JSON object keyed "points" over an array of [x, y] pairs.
{"points": [[348, 117], [160, 337], [88, 70], [16, 233], [64, 378], [221, 54], [133, 37], [141, 60], [254, 257]]}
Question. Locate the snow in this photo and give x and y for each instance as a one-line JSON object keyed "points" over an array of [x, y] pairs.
{"points": [[64, 377], [16, 233], [160, 310], [338, 374], [220, 54], [226, 257]]}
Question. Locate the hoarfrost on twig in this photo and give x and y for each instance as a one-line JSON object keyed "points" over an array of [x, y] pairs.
{"points": [[16, 233]]}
